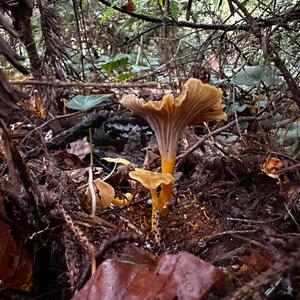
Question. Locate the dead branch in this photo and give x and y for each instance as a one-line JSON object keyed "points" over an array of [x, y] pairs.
{"points": [[268, 50], [95, 118], [87, 84], [245, 27], [217, 131], [22, 184]]}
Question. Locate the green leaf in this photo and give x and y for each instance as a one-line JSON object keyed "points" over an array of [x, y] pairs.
{"points": [[236, 107], [137, 68], [175, 9], [84, 4], [217, 4], [162, 79], [114, 64], [271, 122], [123, 76], [154, 61], [109, 12], [292, 132], [254, 75], [85, 102]]}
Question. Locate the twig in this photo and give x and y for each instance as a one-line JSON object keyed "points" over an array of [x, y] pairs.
{"points": [[48, 122], [245, 27], [291, 215], [132, 39], [268, 50], [92, 191], [67, 135], [229, 232], [108, 85], [254, 221], [287, 169], [284, 265], [217, 131]]}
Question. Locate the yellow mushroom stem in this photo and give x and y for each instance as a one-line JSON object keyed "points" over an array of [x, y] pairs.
{"points": [[167, 166], [155, 210]]}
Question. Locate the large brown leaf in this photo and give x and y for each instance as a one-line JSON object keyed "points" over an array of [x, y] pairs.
{"points": [[175, 276], [16, 265]]}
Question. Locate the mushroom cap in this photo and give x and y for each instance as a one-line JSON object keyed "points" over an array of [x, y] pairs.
{"points": [[198, 102], [151, 180], [105, 193]]}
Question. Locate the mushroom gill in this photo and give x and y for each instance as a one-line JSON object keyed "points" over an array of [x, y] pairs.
{"points": [[197, 102]]}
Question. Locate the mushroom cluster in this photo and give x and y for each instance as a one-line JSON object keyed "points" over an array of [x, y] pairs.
{"points": [[197, 102]]}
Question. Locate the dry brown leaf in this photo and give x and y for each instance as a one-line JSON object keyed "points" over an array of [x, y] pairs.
{"points": [[105, 194], [176, 276], [81, 148], [16, 265], [271, 165]]}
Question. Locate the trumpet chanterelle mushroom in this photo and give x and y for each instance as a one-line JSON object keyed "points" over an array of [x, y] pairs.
{"points": [[152, 181], [198, 102]]}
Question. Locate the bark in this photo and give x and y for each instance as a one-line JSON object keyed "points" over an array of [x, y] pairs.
{"points": [[22, 22]]}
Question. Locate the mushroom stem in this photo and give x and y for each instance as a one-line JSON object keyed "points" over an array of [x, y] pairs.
{"points": [[167, 166], [168, 163], [155, 208]]}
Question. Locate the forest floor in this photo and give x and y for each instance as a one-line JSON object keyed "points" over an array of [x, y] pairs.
{"points": [[235, 206]]}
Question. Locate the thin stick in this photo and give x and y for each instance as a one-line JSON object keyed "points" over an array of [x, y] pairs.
{"points": [[58, 83], [215, 132]]}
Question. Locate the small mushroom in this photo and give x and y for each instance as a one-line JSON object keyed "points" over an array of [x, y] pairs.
{"points": [[198, 102], [152, 181]]}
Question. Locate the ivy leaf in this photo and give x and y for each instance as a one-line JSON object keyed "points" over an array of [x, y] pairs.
{"points": [[175, 9], [236, 107], [123, 76], [85, 102], [254, 75], [291, 132], [114, 64], [109, 12], [84, 4]]}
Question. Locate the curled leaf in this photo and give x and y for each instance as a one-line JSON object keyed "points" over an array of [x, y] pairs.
{"points": [[271, 165], [105, 194]]}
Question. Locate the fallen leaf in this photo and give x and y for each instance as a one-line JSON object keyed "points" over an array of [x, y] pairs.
{"points": [[81, 148], [271, 165], [16, 264], [256, 261], [105, 194], [176, 276], [70, 160]]}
